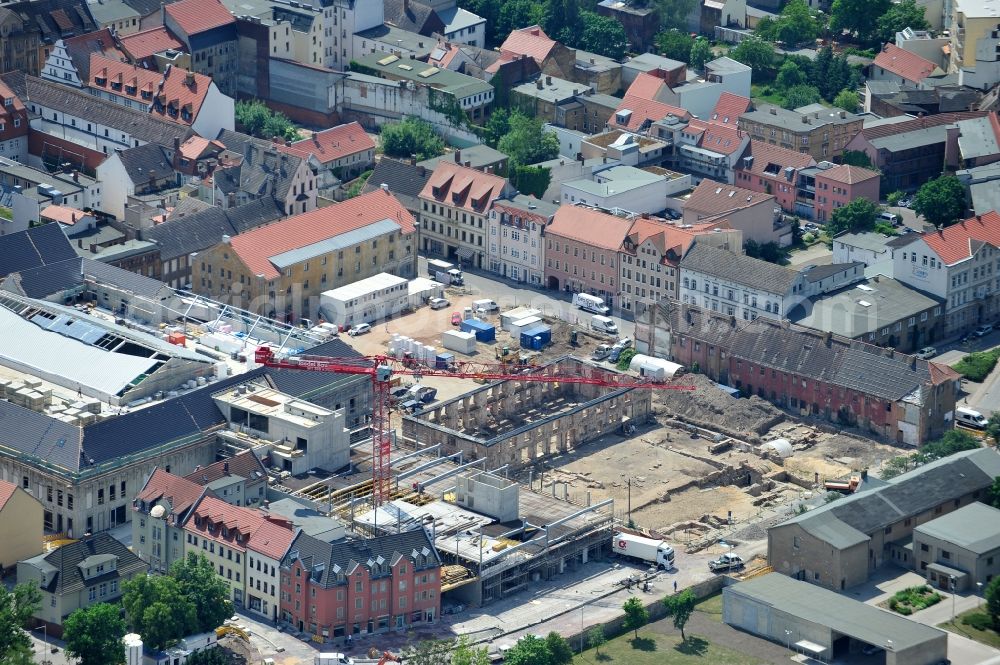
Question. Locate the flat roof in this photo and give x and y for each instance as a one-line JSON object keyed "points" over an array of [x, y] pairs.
{"points": [[459, 85], [272, 403], [873, 242], [975, 527], [363, 287], [842, 614]]}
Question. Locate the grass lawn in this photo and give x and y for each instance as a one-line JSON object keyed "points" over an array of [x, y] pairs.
{"points": [[711, 606], [987, 636], [655, 649], [757, 93]]}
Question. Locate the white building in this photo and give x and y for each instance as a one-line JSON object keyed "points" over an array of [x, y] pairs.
{"points": [[624, 187], [868, 248], [378, 297], [516, 228], [463, 27], [344, 18]]}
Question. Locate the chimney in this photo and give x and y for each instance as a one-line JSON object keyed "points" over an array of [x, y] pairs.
{"points": [[72, 218], [774, 111], [177, 143], [538, 84], [385, 187], [288, 144], [225, 467], [79, 243], [226, 239], [422, 171], [458, 157], [76, 176], [413, 160], [548, 80], [189, 79]]}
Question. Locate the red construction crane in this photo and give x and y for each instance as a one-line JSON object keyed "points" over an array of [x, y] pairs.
{"points": [[381, 369]]}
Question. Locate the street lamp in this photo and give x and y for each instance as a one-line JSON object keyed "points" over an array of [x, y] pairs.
{"points": [[952, 579], [788, 639], [45, 643], [979, 592]]}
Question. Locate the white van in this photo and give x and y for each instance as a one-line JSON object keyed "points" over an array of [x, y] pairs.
{"points": [[590, 303], [970, 418], [890, 217], [603, 324], [485, 305]]}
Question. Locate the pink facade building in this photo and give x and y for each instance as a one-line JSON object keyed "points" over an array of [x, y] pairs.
{"points": [[838, 186], [771, 169]]}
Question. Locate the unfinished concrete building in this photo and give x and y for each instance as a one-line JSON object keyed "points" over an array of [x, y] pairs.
{"points": [[517, 423]]}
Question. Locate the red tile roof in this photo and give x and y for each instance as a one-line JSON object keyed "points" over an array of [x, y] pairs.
{"points": [[531, 41], [255, 247], [6, 491], [667, 236], [332, 144], [955, 243], [179, 93], [253, 528], [590, 227], [716, 198], [144, 44], [645, 109], [196, 146], [462, 187], [723, 139], [180, 492], [449, 51], [7, 93], [245, 465], [63, 214], [729, 108], [195, 16], [847, 174], [771, 160], [646, 86], [906, 64]]}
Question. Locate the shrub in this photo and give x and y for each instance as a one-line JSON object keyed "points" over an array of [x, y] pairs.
{"points": [[904, 610], [977, 365], [979, 621]]}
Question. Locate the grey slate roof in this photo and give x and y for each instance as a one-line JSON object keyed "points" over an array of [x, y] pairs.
{"points": [[34, 434], [325, 559], [66, 560], [413, 16], [975, 527], [739, 268], [142, 160], [477, 156], [142, 126], [906, 495], [405, 181], [264, 169], [38, 17], [819, 273], [38, 246], [205, 228], [845, 616]]}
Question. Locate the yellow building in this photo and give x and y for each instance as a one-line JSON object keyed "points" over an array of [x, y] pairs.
{"points": [[281, 269], [20, 524], [971, 21]]}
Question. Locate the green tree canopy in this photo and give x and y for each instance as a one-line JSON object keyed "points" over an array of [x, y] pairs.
{"points": [[526, 142], [636, 615], [430, 652], [801, 95], [900, 15], [680, 606], [562, 20], [596, 638], [256, 119], [532, 180], [673, 13], [560, 652], [515, 14], [941, 201], [993, 431], [412, 136], [755, 53], [858, 215], [857, 158], [675, 44], [858, 17], [529, 650], [847, 100], [94, 635], [602, 35], [197, 580], [993, 496], [496, 127], [796, 24], [158, 610], [992, 594], [466, 654], [790, 74], [953, 441], [16, 609], [701, 52]]}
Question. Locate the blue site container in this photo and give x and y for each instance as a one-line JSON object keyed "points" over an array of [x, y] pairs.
{"points": [[536, 337], [485, 332], [444, 360]]}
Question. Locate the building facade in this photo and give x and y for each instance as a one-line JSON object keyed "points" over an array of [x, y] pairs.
{"points": [[21, 521], [581, 252], [517, 238], [959, 551], [818, 131]]}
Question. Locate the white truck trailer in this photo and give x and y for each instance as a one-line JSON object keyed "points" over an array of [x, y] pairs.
{"points": [[652, 551]]}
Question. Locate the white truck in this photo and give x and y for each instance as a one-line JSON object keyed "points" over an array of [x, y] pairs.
{"points": [[603, 324], [332, 659], [644, 549], [589, 303], [444, 272]]}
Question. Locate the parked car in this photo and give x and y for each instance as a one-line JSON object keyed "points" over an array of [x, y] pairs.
{"points": [[905, 203], [926, 352], [601, 352], [624, 343], [456, 318], [438, 303], [727, 561], [983, 330], [359, 329]]}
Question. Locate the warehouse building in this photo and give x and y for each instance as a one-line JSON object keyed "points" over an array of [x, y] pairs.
{"points": [[827, 626], [521, 422], [960, 550]]}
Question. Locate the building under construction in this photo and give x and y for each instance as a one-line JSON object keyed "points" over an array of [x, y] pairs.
{"points": [[517, 423], [495, 537]]}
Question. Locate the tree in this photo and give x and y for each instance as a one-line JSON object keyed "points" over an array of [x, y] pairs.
{"points": [[516, 14], [526, 142], [801, 95], [673, 13], [532, 180], [993, 601], [701, 52], [603, 35], [596, 638], [857, 158], [213, 656], [680, 606], [856, 17], [16, 609], [754, 52], [562, 20], [796, 24], [257, 120], [158, 610], [953, 441], [496, 127], [940, 201], [847, 100], [466, 654], [900, 15], [636, 615], [675, 44], [858, 215], [993, 494], [412, 136], [993, 431], [560, 652], [197, 581], [529, 650], [94, 635], [790, 75], [430, 652]]}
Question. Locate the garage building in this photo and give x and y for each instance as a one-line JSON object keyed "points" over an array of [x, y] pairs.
{"points": [[826, 625]]}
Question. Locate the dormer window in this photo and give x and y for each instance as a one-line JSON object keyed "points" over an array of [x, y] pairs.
{"points": [[146, 94], [130, 90], [225, 532], [8, 101]]}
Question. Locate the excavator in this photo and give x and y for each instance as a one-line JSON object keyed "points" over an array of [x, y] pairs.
{"points": [[386, 657]]}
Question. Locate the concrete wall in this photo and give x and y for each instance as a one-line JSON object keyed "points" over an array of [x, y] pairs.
{"points": [[981, 568], [794, 552]]}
